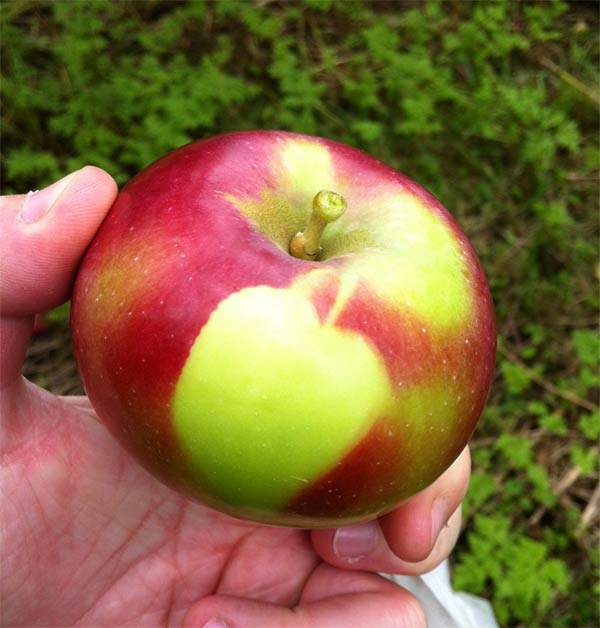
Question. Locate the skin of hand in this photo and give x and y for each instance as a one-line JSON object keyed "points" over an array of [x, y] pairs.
{"points": [[89, 538]]}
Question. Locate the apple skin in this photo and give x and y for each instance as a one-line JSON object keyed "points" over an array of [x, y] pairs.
{"points": [[289, 392]]}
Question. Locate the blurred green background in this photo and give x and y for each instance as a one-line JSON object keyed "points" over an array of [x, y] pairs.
{"points": [[493, 106]]}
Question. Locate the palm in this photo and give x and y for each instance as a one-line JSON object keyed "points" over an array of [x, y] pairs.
{"points": [[100, 541]]}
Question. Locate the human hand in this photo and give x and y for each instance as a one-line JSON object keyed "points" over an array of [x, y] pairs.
{"points": [[89, 538]]}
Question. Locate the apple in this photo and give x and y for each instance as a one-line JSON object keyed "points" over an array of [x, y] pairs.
{"points": [[284, 329]]}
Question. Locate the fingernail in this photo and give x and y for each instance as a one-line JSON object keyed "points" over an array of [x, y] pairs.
{"points": [[215, 622], [439, 517], [355, 542], [37, 204]]}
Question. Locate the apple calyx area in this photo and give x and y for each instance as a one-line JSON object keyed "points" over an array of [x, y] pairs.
{"points": [[327, 206]]}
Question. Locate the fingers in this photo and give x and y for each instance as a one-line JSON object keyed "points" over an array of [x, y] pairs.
{"points": [[413, 539], [333, 598], [44, 235]]}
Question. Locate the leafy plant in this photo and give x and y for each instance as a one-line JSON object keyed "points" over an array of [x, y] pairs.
{"points": [[523, 577]]}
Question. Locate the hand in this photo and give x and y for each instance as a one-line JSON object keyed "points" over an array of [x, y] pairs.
{"points": [[90, 538]]}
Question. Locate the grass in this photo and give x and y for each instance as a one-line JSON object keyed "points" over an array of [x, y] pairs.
{"points": [[491, 105]]}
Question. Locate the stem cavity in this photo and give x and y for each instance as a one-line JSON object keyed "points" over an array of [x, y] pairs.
{"points": [[327, 206]]}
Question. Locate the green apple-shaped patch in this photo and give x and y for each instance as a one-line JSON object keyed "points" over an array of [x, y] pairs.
{"points": [[270, 399]]}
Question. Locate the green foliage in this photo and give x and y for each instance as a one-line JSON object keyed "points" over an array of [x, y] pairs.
{"points": [[516, 378], [522, 575], [589, 425], [585, 459], [491, 105], [587, 346]]}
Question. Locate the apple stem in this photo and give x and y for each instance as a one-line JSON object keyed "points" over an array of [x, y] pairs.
{"points": [[326, 207]]}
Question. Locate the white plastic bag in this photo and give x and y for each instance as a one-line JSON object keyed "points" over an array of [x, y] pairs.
{"points": [[446, 608]]}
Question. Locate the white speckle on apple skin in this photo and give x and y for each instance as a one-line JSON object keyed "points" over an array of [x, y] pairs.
{"points": [[294, 477]]}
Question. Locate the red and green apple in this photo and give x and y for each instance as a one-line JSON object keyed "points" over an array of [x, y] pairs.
{"points": [[284, 328]]}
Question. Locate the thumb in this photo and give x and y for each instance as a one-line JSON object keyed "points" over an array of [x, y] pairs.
{"points": [[43, 237]]}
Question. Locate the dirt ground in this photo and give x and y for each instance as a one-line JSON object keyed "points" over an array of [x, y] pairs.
{"points": [[50, 362]]}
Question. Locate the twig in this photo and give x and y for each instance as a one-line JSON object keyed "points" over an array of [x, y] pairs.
{"points": [[555, 390], [569, 79], [590, 510], [567, 480], [559, 488], [565, 321], [576, 178]]}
